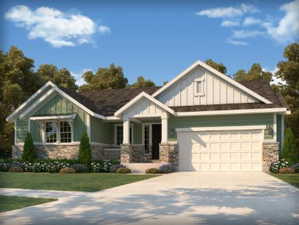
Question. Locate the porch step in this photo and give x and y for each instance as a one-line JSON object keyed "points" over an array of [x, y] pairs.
{"points": [[142, 167]]}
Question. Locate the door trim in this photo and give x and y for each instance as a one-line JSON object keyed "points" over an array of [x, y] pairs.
{"points": [[150, 132]]}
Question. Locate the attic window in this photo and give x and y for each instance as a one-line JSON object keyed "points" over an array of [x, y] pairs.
{"points": [[199, 87]]}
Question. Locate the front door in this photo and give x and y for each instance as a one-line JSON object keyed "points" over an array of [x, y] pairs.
{"points": [[156, 140]]}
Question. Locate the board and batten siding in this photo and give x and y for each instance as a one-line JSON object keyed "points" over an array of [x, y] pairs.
{"points": [[101, 132], [217, 121], [56, 105], [217, 91], [143, 107]]}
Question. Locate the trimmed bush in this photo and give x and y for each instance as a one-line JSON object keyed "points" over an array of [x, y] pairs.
{"points": [[276, 166], [123, 170], [100, 166], [29, 153], [85, 150], [67, 170], [152, 170], [115, 167], [80, 168], [166, 168], [289, 151], [16, 169]]}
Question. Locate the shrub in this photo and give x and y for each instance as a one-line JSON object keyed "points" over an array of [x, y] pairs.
{"points": [[123, 170], [67, 170], [115, 167], [296, 167], [80, 168], [152, 170], [15, 169], [275, 166], [4, 167], [100, 166], [166, 168], [289, 150], [29, 153], [85, 150]]}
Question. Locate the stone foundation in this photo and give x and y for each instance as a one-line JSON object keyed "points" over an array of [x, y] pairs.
{"points": [[169, 154], [132, 153], [270, 154], [71, 151]]}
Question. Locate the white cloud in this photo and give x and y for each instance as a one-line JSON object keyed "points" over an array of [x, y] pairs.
{"points": [[53, 26], [275, 80], [288, 27], [104, 29], [226, 12], [230, 23], [249, 21], [236, 42], [78, 76], [242, 34]]}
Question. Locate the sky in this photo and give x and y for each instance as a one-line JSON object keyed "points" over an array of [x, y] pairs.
{"points": [[154, 39]]}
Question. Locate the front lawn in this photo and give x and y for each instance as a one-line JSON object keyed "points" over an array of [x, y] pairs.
{"points": [[12, 202], [289, 178], [67, 182]]}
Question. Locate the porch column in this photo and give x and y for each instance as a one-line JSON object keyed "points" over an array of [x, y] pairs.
{"points": [[126, 132], [164, 121]]}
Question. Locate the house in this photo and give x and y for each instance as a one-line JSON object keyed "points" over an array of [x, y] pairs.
{"points": [[201, 120]]}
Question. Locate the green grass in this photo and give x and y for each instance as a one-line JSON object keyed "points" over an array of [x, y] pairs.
{"points": [[67, 182], [289, 178], [12, 202]]}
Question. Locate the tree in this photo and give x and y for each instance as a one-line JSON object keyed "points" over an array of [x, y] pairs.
{"points": [[61, 77], [29, 153], [288, 71], [141, 82], [104, 78], [254, 73], [290, 152], [217, 66], [85, 149]]}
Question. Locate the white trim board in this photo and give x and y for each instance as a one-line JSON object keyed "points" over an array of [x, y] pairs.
{"points": [[137, 98], [62, 117], [217, 73], [260, 127]]}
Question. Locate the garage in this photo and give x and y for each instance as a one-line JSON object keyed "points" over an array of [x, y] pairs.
{"points": [[221, 148]]}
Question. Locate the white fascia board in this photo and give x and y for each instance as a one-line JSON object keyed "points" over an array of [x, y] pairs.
{"points": [[66, 117], [219, 74], [257, 127], [137, 98], [232, 112], [11, 116]]}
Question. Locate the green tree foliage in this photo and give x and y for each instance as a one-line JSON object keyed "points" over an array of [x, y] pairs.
{"points": [[61, 77], [288, 71], [29, 153], [141, 82], [218, 66], [85, 149], [290, 151], [111, 77], [254, 73]]}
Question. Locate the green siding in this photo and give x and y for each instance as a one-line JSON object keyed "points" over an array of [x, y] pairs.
{"points": [[35, 129], [137, 133], [58, 105], [21, 130], [101, 132], [214, 121], [278, 127]]}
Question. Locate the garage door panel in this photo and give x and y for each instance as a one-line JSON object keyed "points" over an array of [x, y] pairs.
{"points": [[227, 150]]}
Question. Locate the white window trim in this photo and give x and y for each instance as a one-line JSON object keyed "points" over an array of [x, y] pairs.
{"points": [[150, 132], [58, 132], [115, 132], [203, 82]]}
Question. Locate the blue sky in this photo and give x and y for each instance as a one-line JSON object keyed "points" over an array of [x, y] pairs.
{"points": [[155, 39]]}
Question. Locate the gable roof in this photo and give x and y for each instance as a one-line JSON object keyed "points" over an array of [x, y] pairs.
{"points": [[217, 73]]}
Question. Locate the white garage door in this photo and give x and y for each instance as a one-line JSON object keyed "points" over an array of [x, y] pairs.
{"points": [[229, 149]]}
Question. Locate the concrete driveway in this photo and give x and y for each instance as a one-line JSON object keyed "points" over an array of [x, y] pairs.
{"points": [[178, 198]]}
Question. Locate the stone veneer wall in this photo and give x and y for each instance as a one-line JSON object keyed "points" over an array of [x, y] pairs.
{"points": [[270, 154], [133, 154], [70, 151], [169, 154]]}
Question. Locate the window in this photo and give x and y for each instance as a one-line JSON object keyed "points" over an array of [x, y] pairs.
{"points": [[199, 88], [65, 132], [119, 135], [58, 132], [51, 132], [146, 138]]}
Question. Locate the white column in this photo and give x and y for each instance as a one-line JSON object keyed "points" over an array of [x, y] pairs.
{"points": [[88, 126], [126, 131], [275, 127], [164, 120]]}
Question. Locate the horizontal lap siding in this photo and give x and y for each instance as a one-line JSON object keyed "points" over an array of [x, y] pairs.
{"points": [[217, 91], [215, 121]]}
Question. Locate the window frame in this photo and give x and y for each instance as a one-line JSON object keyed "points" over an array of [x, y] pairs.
{"points": [[131, 133], [58, 136], [203, 87]]}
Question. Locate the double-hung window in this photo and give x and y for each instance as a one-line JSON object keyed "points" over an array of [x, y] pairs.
{"points": [[119, 135], [58, 132], [199, 87]]}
